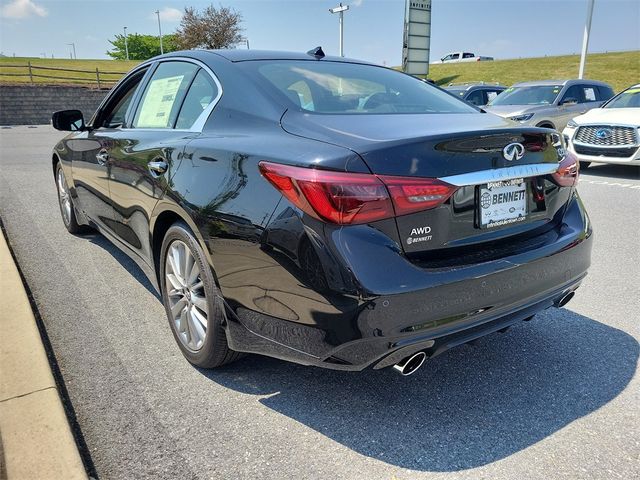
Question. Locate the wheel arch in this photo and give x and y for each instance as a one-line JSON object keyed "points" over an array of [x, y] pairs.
{"points": [[546, 124], [163, 218]]}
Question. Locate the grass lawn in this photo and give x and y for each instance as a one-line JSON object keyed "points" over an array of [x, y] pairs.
{"points": [[619, 69], [88, 78]]}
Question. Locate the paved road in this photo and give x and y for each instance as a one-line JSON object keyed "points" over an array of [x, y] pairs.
{"points": [[552, 398]]}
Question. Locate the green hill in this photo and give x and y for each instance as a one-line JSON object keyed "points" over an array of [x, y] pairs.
{"points": [[619, 69]]}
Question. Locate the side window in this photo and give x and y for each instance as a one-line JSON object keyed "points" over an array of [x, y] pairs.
{"points": [[115, 113], [476, 98], [589, 94], [163, 95], [605, 93], [202, 92], [455, 56], [574, 93], [491, 94], [467, 55]]}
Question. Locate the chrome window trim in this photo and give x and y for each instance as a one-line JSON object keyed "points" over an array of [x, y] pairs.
{"points": [[500, 174]]}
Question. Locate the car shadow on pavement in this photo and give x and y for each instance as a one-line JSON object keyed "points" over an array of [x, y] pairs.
{"points": [[628, 172], [466, 408], [124, 260]]}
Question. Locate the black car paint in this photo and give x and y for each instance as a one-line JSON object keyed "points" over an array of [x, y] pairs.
{"points": [[320, 294]]}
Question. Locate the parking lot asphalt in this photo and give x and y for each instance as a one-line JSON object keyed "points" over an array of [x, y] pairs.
{"points": [[557, 397]]}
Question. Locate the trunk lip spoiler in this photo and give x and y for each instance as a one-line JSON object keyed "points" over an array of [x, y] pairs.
{"points": [[500, 174]]}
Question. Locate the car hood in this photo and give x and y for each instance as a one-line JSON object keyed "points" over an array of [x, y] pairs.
{"points": [[628, 116], [512, 110]]}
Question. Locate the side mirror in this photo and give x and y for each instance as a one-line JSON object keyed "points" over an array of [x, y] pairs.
{"points": [[569, 101], [68, 121]]}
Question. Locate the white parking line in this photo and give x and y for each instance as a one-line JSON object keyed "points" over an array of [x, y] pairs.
{"points": [[611, 184]]}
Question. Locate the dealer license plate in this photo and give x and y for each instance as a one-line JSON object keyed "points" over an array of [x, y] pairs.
{"points": [[503, 203]]}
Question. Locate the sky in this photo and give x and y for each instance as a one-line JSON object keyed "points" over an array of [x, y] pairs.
{"points": [[373, 28]]}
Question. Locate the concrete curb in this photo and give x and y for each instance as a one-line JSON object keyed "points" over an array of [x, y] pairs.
{"points": [[35, 437]]}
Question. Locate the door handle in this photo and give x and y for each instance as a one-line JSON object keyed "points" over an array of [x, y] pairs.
{"points": [[102, 157], [158, 166]]}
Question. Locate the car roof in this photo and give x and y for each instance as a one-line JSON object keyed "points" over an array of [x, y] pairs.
{"points": [[535, 83], [475, 86], [237, 55]]}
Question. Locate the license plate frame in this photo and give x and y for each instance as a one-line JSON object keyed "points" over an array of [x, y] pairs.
{"points": [[502, 203]]}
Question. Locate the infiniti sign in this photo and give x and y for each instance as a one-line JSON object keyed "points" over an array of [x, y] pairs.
{"points": [[513, 151]]}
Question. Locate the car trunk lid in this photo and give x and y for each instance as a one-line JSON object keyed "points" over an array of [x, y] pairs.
{"points": [[490, 160]]}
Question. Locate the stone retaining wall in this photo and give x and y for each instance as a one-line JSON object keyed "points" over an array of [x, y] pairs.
{"points": [[34, 104]]}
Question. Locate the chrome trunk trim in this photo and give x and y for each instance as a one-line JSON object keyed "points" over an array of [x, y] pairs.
{"points": [[500, 174]]}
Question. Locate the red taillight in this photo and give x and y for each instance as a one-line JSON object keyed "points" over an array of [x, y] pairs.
{"points": [[352, 198], [567, 174], [414, 194]]}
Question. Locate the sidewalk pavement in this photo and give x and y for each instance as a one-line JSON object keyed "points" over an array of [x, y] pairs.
{"points": [[35, 439]]}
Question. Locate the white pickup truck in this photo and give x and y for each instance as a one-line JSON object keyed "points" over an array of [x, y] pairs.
{"points": [[463, 57]]}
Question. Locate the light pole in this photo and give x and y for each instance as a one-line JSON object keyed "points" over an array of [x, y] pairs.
{"points": [[126, 43], [74, 56], [585, 38], [341, 9], [160, 31]]}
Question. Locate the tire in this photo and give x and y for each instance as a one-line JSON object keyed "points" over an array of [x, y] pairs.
{"points": [[67, 210], [188, 299], [584, 165]]}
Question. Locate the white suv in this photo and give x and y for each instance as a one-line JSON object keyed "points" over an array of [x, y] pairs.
{"points": [[610, 134]]}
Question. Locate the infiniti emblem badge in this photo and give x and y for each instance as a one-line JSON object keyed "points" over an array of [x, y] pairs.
{"points": [[513, 151], [603, 133]]}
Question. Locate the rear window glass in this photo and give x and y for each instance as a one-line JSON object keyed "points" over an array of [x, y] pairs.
{"points": [[347, 88]]}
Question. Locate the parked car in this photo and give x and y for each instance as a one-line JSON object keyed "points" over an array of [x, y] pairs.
{"points": [[475, 93], [457, 57], [610, 134], [320, 210], [549, 103]]}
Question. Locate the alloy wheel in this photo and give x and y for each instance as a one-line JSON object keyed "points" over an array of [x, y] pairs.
{"points": [[64, 197], [188, 304]]}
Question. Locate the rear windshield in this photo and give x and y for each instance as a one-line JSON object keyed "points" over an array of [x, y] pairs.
{"points": [[535, 95], [346, 88], [628, 99]]}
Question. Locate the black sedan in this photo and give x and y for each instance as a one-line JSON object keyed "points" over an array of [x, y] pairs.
{"points": [[320, 210]]}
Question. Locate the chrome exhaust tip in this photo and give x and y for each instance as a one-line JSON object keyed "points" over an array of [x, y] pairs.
{"points": [[410, 364], [565, 299]]}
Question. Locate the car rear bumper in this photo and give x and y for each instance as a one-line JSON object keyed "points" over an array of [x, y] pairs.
{"points": [[443, 308]]}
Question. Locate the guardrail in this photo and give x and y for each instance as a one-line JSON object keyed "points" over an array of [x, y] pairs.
{"points": [[99, 77]]}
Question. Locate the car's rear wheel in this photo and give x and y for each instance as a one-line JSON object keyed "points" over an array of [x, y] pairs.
{"points": [[66, 203], [192, 300]]}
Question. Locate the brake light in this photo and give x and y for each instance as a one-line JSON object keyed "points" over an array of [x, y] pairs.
{"points": [[352, 198], [568, 171]]}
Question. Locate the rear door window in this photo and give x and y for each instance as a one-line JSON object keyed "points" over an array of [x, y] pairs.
{"points": [[202, 93], [163, 95]]}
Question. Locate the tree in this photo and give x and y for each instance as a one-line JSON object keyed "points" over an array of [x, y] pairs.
{"points": [[213, 28], [141, 47]]}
